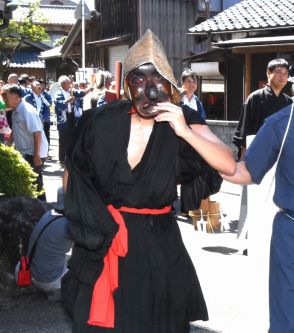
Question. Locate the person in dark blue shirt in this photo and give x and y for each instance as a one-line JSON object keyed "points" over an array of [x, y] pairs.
{"points": [[64, 105], [259, 159], [45, 114], [48, 246]]}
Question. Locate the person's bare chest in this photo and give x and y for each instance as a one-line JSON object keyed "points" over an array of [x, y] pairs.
{"points": [[139, 138]]}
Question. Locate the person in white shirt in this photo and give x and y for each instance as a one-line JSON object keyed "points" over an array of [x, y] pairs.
{"points": [[27, 131], [189, 87]]}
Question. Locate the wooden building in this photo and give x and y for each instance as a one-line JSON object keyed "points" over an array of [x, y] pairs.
{"points": [[243, 39], [116, 24]]}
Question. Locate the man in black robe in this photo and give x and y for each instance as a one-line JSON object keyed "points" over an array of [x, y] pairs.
{"points": [[263, 102], [129, 270], [259, 105]]}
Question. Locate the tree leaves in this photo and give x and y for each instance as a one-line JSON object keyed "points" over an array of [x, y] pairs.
{"points": [[29, 28]]}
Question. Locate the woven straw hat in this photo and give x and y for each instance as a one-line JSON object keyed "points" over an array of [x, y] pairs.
{"points": [[148, 49]]}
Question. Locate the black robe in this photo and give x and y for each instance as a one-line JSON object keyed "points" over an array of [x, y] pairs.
{"points": [[159, 291]]}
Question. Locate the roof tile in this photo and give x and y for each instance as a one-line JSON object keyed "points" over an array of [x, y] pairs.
{"points": [[26, 59], [250, 15]]}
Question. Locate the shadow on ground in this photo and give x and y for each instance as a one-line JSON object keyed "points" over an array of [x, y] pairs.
{"points": [[234, 226], [220, 249], [197, 329]]}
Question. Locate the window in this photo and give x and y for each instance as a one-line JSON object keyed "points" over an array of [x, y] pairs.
{"points": [[213, 5]]}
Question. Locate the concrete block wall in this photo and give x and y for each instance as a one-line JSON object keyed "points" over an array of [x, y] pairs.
{"points": [[224, 130]]}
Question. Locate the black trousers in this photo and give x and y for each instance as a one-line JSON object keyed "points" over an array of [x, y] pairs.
{"points": [[46, 126], [39, 171], [65, 135]]}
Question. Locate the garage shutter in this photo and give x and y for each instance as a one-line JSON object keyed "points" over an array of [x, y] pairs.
{"points": [[116, 53]]}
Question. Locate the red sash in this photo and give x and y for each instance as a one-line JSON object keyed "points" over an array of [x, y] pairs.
{"points": [[102, 305]]}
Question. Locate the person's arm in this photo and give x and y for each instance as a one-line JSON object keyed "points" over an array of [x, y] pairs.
{"points": [[69, 100], [87, 90], [10, 140], [261, 154], [218, 155], [61, 103], [241, 176], [246, 123], [48, 97], [37, 145]]}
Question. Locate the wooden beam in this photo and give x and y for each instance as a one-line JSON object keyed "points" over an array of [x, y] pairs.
{"points": [[248, 58], [263, 49]]}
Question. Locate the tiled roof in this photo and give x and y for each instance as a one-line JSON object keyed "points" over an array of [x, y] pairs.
{"points": [[52, 53], [52, 14], [250, 15], [62, 2], [26, 59]]}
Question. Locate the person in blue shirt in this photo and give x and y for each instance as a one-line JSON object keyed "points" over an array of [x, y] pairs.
{"points": [[25, 84], [258, 160], [13, 79], [50, 246], [189, 86], [45, 113], [79, 102], [64, 103]]}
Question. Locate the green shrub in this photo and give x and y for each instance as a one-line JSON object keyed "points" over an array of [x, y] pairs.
{"points": [[16, 175]]}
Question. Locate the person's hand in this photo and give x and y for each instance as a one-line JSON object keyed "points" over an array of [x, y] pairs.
{"points": [[37, 161], [69, 100], [174, 115]]}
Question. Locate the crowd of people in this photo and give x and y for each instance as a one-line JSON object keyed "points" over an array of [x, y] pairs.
{"points": [[129, 270]]}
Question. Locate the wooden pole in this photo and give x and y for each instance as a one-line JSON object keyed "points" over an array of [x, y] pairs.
{"points": [[118, 70], [248, 58]]}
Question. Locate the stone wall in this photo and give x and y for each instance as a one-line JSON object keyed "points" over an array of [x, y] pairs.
{"points": [[224, 129]]}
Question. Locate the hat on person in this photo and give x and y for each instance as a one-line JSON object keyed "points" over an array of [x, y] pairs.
{"points": [[148, 49], [24, 77], [59, 206]]}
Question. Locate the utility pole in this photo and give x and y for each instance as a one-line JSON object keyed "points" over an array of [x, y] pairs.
{"points": [[83, 40]]}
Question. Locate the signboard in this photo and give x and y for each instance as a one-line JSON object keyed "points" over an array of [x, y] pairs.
{"points": [[89, 75]]}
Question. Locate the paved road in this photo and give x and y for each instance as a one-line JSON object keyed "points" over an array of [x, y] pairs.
{"points": [[221, 267]]}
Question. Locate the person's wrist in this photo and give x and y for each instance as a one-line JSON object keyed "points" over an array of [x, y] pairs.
{"points": [[187, 134]]}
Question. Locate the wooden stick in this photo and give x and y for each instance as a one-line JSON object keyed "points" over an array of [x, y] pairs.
{"points": [[118, 72]]}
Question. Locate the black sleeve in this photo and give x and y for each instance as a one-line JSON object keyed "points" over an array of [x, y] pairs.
{"points": [[246, 123], [197, 178], [92, 226], [192, 117]]}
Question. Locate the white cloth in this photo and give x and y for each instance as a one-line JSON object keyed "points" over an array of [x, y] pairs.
{"points": [[38, 102], [66, 95], [192, 102]]}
